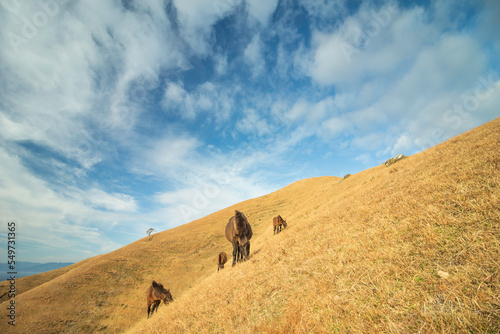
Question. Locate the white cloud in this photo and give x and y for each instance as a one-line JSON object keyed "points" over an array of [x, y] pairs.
{"points": [[370, 141], [331, 64], [254, 124], [261, 9], [177, 98], [367, 119], [298, 110], [47, 219], [322, 11], [93, 63], [112, 202], [199, 199], [374, 42], [312, 113], [196, 18], [253, 56], [403, 76], [170, 156], [403, 145], [54, 85], [441, 74], [283, 62], [51, 92], [175, 93], [334, 127], [364, 159], [489, 24], [452, 64], [221, 64], [207, 98]]}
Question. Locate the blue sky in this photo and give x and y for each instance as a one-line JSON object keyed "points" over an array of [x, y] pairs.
{"points": [[118, 116]]}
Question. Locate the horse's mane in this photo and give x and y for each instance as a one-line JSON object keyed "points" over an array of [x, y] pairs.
{"points": [[240, 221], [157, 286]]}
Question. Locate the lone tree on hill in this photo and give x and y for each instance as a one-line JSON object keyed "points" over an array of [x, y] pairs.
{"points": [[149, 231]]}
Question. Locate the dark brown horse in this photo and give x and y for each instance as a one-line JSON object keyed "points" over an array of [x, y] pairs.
{"points": [[221, 261], [239, 233], [277, 223], [155, 294]]}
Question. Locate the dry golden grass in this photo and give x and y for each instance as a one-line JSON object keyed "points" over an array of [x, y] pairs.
{"points": [[359, 255]]}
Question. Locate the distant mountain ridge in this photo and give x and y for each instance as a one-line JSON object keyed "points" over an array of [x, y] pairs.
{"points": [[25, 268]]}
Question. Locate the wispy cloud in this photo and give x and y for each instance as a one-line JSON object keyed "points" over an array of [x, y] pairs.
{"points": [[253, 56]]}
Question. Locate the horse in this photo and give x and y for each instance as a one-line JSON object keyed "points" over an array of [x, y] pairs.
{"points": [[277, 223], [239, 232], [221, 260], [155, 294]]}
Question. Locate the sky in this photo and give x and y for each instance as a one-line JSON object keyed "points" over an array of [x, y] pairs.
{"points": [[120, 116]]}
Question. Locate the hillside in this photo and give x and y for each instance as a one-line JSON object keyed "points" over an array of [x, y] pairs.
{"points": [[361, 254]]}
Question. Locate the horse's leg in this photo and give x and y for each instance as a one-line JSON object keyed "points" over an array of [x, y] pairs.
{"points": [[246, 251], [149, 308], [243, 254], [235, 252], [240, 251], [157, 303]]}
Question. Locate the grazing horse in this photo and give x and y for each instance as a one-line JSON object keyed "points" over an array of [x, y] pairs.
{"points": [[239, 233], [155, 294], [221, 261], [277, 223]]}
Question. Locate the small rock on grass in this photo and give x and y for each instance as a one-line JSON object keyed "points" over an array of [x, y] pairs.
{"points": [[443, 274]]}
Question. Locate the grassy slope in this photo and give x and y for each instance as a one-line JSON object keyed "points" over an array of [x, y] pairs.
{"points": [[362, 255], [359, 255]]}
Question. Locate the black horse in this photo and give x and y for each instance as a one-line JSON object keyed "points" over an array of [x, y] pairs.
{"points": [[239, 233]]}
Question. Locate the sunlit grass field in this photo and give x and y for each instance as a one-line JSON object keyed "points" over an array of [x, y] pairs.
{"points": [[413, 247]]}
